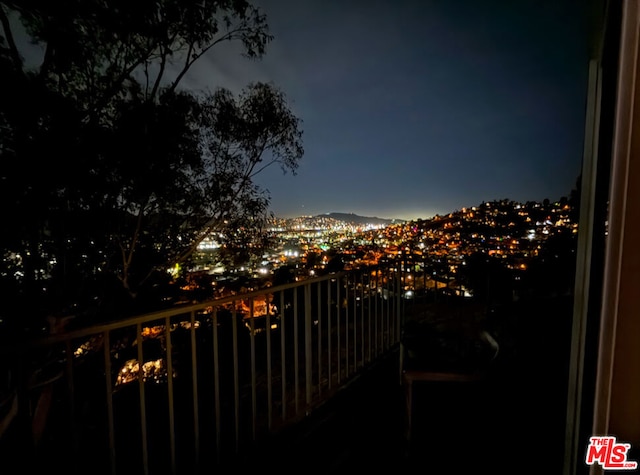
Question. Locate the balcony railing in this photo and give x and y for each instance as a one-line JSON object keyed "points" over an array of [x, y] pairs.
{"points": [[191, 387]]}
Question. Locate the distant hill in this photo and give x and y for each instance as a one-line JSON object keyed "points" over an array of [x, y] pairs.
{"points": [[356, 219]]}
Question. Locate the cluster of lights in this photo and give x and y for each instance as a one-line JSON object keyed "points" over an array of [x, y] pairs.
{"points": [[87, 347], [153, 371], [208, 245], [152, 332], [158, 330]]}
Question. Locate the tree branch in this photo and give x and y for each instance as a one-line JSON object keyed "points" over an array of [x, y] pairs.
{"points": [[163, 63], [136, 233], [190, 60], [102, 102], [125, 271], [266, 165], [146, 80], [47, 60], [185, 68]]}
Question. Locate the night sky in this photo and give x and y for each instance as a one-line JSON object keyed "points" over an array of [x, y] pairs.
{"points": [[413, 108]]}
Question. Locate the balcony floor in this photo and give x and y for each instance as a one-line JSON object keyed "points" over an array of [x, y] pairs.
{"points": [[497, 426], [512, 422]]}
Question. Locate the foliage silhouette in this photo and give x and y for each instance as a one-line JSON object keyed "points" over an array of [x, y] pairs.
{"points": [[114, 173]]}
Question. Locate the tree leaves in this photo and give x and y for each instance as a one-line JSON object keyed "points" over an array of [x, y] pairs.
{"points": [[112, 173]]}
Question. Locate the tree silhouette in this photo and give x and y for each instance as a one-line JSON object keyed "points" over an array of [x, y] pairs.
{"points": [[111, 171]]}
